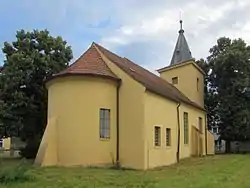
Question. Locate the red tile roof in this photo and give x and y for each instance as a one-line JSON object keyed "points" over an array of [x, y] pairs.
{"points": [[90, 63], [149, 80]]}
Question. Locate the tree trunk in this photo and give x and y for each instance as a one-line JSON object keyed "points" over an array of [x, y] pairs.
{"points": [[228, 147]]}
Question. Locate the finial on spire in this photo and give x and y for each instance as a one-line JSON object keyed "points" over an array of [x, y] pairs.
{"points": [[180, 24], [181, 29]]}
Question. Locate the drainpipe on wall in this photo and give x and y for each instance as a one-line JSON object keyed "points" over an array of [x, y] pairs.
{"points": [[117, 126], [206, 129], [178, 133]]}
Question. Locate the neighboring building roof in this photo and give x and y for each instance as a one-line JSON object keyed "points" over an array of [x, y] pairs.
{"points": [[149, 80], [90, 63], [182, 52]]}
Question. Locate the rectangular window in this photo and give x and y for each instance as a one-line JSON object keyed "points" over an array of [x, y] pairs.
{"points": [[104, 123], [215, 130], [200, 125], [197, 84], [168, 137], [175, 80], [186, 138], [1, 143], [157, 136]]}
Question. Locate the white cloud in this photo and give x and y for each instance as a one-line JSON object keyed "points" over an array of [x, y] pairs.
{"points": [[203, 23], [144, 31]]}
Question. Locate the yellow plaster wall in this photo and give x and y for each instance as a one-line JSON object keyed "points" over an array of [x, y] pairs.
{"points": [[160, 112], [47, 154], [131, 109], [187, 79], [163, 112], [193, 117], [75, 103]]}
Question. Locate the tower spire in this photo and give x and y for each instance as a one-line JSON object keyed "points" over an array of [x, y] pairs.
{"points": [[182, 52]]}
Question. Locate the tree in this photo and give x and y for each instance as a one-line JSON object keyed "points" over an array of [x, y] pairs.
{"points": [[228, 88], [210, 102], [30, 59]]}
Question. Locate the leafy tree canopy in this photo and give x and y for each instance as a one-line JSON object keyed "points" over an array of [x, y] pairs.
{"points": [[227, 96], [30, 59]]}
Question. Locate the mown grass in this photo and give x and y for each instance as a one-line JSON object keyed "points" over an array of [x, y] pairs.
{"points": [[223, 171]]}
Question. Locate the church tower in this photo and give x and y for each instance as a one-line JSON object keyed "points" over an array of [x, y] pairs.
{"points": [[183, 72]]}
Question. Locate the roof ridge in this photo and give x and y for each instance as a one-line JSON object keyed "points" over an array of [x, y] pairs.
{"points": [[96, 48], [158, 77], [99, 46], [89, 63], [72, 64], [151, 81]]}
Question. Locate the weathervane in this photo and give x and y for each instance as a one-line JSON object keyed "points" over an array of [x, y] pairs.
{"points": [[180, 18]]}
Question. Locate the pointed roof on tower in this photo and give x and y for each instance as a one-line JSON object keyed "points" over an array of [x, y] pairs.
{"points": [[182, 52]]}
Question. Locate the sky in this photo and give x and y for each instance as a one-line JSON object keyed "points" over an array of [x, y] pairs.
{"points": [[144, 31]]}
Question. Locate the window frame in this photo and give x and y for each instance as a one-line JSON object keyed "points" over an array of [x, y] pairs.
{"points": [[168, 137], [215, 128], [197, 84], [185, 128], [200, 122], [175, 79], [104, 123], [159, 136]]}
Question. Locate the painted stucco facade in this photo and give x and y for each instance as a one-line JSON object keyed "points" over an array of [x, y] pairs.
{"points": [[131, 119], [102, 80], [160, 112], [190, 80], [75, 121], [163, 113]]}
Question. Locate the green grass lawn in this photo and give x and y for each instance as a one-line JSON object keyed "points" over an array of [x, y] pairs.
{"points": [[227, 171]]}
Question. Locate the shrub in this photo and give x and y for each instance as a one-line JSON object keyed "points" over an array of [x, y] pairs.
{"points": [[14, 173]]}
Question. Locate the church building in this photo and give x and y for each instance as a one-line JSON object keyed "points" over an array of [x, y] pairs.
{"points": [[105, 110]]}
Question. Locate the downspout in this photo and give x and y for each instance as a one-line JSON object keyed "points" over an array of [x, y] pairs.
{"points": [[117, 125], [206, 129], [178, 133]]}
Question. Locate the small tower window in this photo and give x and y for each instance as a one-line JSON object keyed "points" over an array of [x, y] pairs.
{"points": [[175, 80], [197, 84]]}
